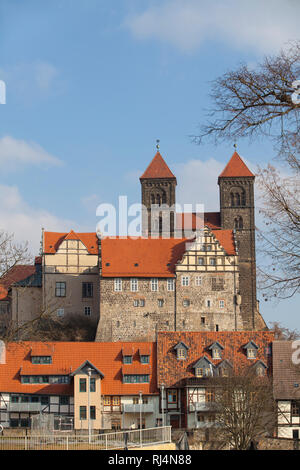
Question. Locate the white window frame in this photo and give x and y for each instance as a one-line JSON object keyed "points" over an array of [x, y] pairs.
{"points": [[185, 281], [118, 284], [134, 284], [171, 285], [221, 303], [198, 281], [154, 284]]}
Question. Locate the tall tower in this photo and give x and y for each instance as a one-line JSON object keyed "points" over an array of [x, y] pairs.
{"points": [[236, 184], [158, 186]]}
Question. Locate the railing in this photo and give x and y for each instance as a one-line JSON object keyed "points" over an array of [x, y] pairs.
{"points": [[203, 406], [25, 407], [144, 408], [110, 441]]}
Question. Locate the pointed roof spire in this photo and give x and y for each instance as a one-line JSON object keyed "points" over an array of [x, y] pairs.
{"points": [[157, 169], [236, 167]]}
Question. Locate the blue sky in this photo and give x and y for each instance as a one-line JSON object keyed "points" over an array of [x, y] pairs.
{"points": [[92, 84]]}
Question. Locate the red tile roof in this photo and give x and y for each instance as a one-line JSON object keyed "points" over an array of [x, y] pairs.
{"points": [[17, 273], [157, 169], [132, 369], [52, 241], [68, 356], [170, 371], [141, 257], [236, 167], [150, 257]]}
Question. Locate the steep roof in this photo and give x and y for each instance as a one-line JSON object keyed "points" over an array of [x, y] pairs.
{"points": [[150, 257], [286, 374], [17, 273], [190, 220], [157, 169], [67, 357], [172, 372], [235, 168], [52, 241]]}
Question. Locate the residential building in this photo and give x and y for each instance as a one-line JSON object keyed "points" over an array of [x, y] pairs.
{"points": [[112, 383], [286, 385], [189, 365]]}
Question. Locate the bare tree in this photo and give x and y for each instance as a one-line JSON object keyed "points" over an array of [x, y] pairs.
{"points": [[265, 102], [283, 333], [245, 409], [11, 253]]}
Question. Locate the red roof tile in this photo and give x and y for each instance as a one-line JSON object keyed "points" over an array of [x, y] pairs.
{"points": [[236, 167], [17, 273], [189, 221], [172, 372], [157, 169], [132, 369], [52, 241], [68, 356]]}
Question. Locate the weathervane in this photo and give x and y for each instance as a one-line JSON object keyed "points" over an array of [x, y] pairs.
{"points": [[157, 144], [235, 146]]}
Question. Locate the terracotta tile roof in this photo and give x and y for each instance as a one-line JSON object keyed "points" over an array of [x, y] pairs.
{"points": [[172, 372], [226, 239], [236, 167], [52, 241], [17, 273], [144, 350], [286, 374], [127, 349], [208, 219], [157, 169], [42, 349], [132, 369], [141, 257], [68, 356]]}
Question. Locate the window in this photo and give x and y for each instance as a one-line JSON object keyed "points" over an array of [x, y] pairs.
{"points": [[295, 408], [87, 311], [41, 359], [116, 401], [154, 284], [199, 372], [171, 285], [186, 302], [135, 400], [160, 302], [251, 353], [212, 261], [63, 400], [172, 396], [221, 303], [106, 400], [127, 359], [134, 285], [87, 289], [44, 400], [135, 303], [217, 327], [185, 281], [82, 412], [208, 303], [181, 353], [295, 433], [92, 412], [209, 395], [60, 312], [92, 384], [134, 379], [82, 385], [145, 359], [118, 285], [238, 223], [260, 371], [200, 261], [116, 424], [198, 281], [60, 289], [217, 283], [142, 303], [216, 353], [202, 320]]}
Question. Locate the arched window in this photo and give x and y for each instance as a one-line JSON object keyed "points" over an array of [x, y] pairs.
{"points": [[164, 198], [152, 199], [237, 199], [158, 199], [238, 222], [232, 199]]}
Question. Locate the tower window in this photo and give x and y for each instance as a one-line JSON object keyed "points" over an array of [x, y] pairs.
{"points": [[238, 222]]}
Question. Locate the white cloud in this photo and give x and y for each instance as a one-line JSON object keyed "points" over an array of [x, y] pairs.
{"points": [[15, 154], [17, 217], [261, 26]]}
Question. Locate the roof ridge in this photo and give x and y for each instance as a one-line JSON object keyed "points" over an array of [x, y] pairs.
{"points": [[157, 168], [236, 167]]}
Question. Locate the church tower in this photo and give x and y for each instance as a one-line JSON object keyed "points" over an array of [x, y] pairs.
{"points": [[236, 184], [158, 186]]}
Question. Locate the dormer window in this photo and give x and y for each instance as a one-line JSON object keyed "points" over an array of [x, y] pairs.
{"points": [[41, 359], [251, 349], [225, 368], [127, 359], [216, 350], [204, 368], [181, 350], [260, 368]]}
